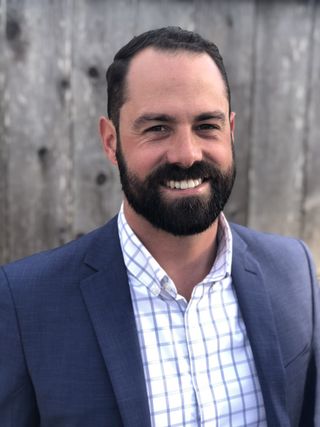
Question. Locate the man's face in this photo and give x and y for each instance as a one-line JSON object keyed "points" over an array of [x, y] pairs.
{"points": [[174, 149]]}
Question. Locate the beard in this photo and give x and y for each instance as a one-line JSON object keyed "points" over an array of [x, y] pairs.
{"points": [[183, 216]]}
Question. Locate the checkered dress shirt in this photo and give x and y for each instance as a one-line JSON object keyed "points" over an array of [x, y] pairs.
{"points": [[198, 364]]}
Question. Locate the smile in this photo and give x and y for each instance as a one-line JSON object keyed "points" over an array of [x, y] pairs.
{"points": [[185, 184]]}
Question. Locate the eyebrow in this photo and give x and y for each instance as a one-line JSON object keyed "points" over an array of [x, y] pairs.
{"points": [[166, 118], [211, 115], [146, 118]]}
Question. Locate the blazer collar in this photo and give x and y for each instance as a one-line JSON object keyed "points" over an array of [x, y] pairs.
{"points": [[107, 297], [255, 305]]}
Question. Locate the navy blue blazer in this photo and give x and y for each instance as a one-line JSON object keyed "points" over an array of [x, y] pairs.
{"points": [[69, 348]]}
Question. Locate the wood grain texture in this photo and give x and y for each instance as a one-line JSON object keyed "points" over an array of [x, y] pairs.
{"points": [[311, 192], [156, 14], [279, 109], [4, 253], [55, 182], [38, 166]]}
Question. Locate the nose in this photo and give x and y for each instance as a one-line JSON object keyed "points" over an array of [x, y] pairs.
{"points": [[184, 149]]}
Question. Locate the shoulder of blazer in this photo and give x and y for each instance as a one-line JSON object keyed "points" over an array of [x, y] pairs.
{"points": [[271, 248], [67, 261]]}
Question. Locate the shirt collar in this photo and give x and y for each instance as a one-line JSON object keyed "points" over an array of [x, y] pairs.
{"points": [[143, 267], [139, 262], [221, 267]]}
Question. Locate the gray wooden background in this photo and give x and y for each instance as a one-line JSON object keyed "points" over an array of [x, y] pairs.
{"points": [[55, 183]]}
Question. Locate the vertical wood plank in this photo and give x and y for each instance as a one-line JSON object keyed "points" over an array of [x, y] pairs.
{"points": [[231, 25], [100, 28], [311, 206], [3, 140], [38, 124], [279, 106], [156, 14]]}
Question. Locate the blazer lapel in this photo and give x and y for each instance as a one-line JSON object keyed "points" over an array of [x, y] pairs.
{"points": [[107, 297], [255, 306]]}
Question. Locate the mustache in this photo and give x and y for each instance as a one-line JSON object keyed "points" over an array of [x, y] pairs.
{"points": [[174, 172]]}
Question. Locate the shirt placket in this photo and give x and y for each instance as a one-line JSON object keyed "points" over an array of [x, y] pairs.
{"points": [[198, 355]]}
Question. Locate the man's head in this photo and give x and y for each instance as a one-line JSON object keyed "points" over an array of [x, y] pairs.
{"points": [[172, 39], [171, 130]]}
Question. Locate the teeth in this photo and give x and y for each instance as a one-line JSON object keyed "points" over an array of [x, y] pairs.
{"points": [[183, 185]]}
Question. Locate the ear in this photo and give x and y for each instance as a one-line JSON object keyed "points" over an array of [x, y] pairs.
{"points": [[109, 138], [232, 123]]}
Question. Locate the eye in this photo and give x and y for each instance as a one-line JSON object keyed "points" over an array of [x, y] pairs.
{"points": [[157, 128], [208, 127]]}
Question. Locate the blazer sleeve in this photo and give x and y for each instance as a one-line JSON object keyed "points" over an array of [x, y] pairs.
{"points": [[311, 407], [17, 399]]}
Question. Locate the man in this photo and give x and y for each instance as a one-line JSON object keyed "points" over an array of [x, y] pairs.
{"points": [[167, 315]]}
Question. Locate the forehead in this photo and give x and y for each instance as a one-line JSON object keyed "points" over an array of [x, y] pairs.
{"points": [[160, 75]]}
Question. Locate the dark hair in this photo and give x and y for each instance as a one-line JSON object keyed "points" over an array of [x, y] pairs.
{"points": [[168, 38]]}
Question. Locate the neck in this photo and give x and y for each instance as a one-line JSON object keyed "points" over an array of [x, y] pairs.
{"points": [[186, 259]]}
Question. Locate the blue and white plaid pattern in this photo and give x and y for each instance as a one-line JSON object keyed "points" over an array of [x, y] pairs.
{"points": [[198, 364]]}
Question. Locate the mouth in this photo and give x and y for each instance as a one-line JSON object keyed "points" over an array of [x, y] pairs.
{"points": [[184, 184]]}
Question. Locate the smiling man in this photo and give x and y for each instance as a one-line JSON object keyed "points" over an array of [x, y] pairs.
{"points": [[168, 315], [173, 146]]}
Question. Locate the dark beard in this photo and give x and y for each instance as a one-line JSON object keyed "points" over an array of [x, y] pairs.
{"points": [[183, 216]]}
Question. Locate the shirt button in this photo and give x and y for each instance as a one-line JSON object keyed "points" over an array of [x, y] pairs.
{"points": [[167, 287], [154, 290]]}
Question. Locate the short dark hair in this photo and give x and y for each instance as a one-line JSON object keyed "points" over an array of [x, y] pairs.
{"points": [[168, 38]]}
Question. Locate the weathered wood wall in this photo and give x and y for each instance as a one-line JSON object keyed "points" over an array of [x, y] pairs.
{"points": [[55, 183]]}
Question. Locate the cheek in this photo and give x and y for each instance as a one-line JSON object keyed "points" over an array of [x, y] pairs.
{"points": [[142, 159], [221, 155]]}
